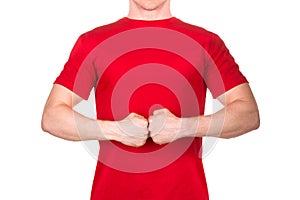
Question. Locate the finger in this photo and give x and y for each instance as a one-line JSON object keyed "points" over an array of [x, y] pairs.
{"points": [[153, 130], [135, 115], [156, 124], [164, 110], [134, 141], [150, 123], [139, 119], [143, 122], [157, 140], [150, 119], [153, 134], [135, 144]]}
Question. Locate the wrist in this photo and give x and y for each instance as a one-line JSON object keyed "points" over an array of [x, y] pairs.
{"points": [[106, 128], [193, 126]]}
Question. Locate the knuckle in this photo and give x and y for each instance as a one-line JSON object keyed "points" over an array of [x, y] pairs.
{"points": [[156, 139], [158, 142], [140, 143], [133, 115], [137, 145], [144, 123]]}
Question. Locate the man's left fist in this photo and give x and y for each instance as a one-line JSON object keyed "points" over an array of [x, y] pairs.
{"points": [[165, 127]]}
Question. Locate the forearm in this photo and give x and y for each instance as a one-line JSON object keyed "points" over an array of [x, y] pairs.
{"points": [[235, 119], [63, 122]]}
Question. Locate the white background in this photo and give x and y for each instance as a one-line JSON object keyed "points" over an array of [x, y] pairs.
{"points": [[36, 39]]}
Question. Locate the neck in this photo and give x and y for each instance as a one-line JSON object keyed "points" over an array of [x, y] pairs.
{"points": [[144, 13]]}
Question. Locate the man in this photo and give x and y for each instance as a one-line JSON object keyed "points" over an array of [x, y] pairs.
{"points": [[164, 110]]}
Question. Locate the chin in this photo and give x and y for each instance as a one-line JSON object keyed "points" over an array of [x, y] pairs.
{"points": [[150, 4]]}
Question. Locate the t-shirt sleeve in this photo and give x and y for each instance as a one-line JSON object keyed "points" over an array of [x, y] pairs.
{"points": [[78, 74], [222, 72]]}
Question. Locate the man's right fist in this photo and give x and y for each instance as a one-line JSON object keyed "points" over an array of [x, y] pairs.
{"points": [[131, 131]]}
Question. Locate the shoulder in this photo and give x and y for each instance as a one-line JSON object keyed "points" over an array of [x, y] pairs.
{"points": [[201, 35], [101, 32], [195, 29]]}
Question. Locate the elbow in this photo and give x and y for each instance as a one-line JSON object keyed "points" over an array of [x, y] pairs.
{"points": [[50, 124], [255, 120], [252, 122], [46, 122]]}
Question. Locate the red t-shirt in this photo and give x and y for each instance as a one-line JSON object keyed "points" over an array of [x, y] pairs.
{"points": [[139, 66]]}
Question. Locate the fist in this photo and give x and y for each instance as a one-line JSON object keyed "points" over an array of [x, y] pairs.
{"points": [[165, 127], [131, 131]]}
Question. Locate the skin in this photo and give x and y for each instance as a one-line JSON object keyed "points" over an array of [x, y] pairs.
{"points": [[71, 125], [149, 9], [239, 115]]}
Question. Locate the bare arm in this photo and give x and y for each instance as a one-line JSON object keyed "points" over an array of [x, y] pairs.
{"points": [[60, 120], [239, 115]]}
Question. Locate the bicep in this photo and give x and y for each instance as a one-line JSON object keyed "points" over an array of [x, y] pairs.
{"points": [[61, 95], [240, 92]]}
